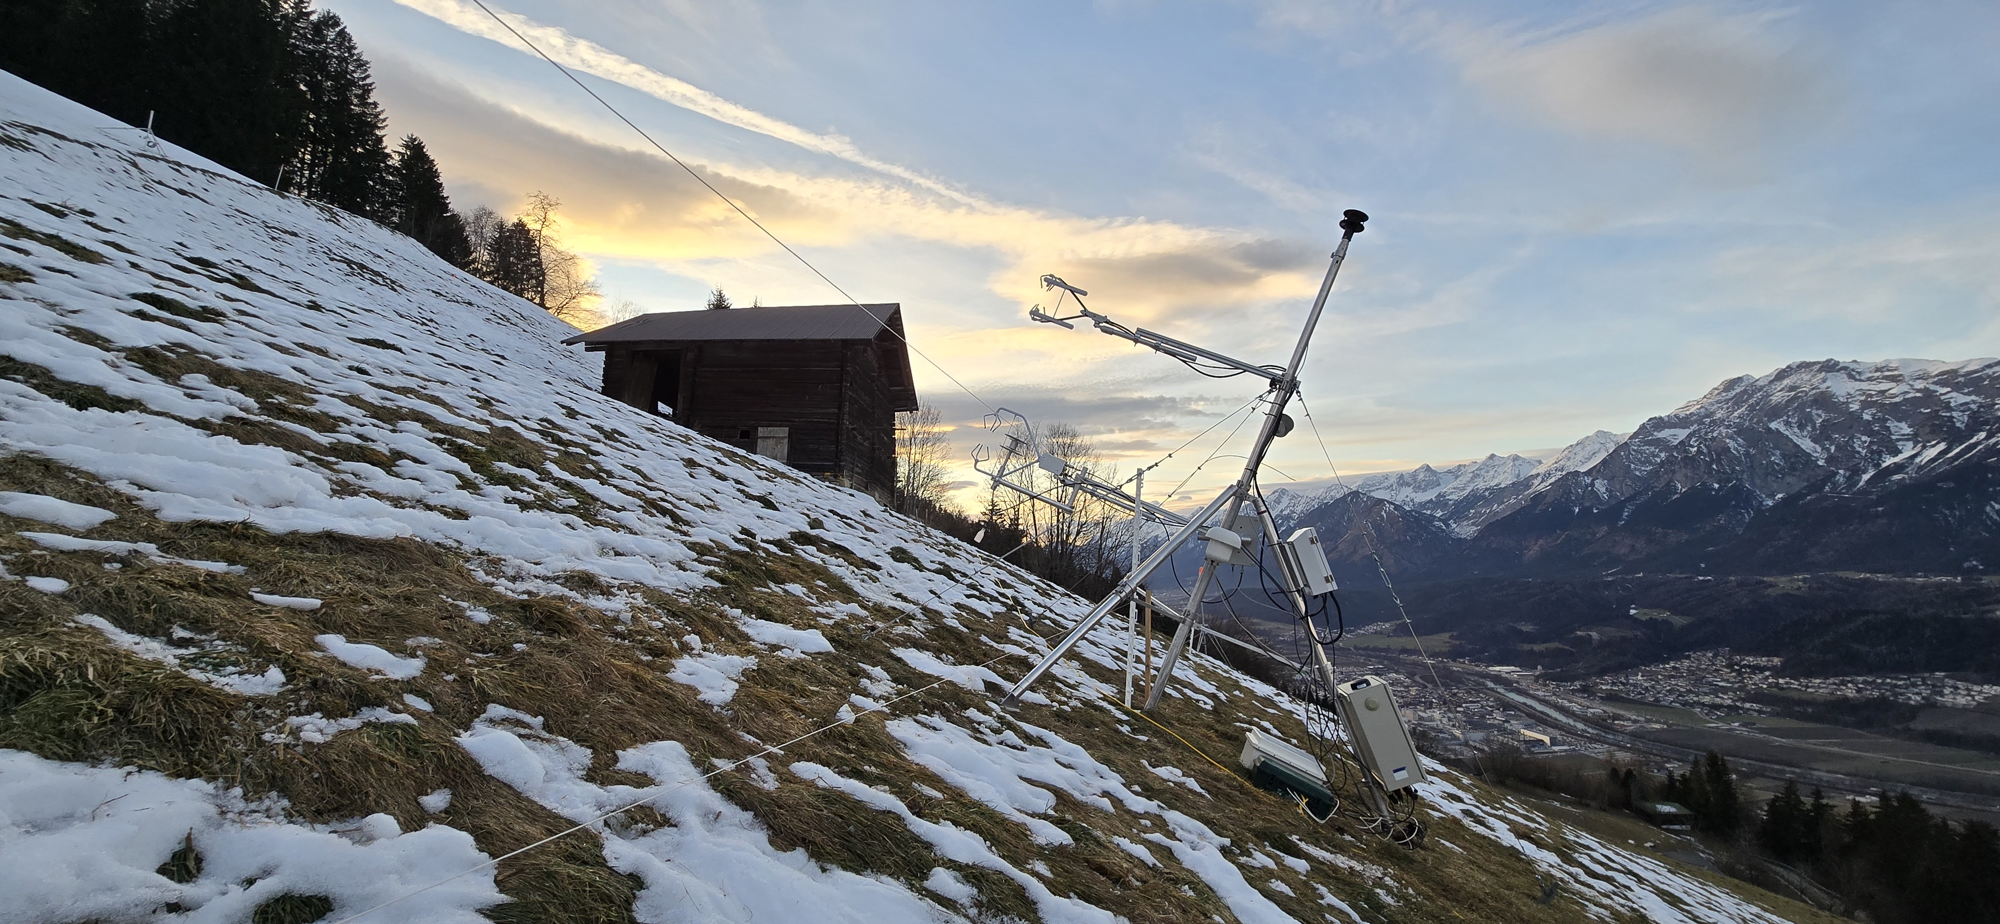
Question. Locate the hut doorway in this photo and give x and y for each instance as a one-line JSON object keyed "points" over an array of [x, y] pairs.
{"points": [[666, 381]]}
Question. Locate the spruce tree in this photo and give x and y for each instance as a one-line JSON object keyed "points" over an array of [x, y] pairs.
{"points": [[1784, 830], [1722, 803], [222, 81], [420, 207], [338, 157], [1820, 825], [93, 51], [717, 301], [513, 261]]}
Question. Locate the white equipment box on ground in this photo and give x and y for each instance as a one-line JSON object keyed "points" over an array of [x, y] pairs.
{"points": [[1380, 738], [1277, 765], [1259, 747]]}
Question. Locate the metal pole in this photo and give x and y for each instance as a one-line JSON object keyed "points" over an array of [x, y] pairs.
{"points": [[1149, 642], [1282, 393], [1192, 613], [1104, 607], [1132, 604], [1297, 597]]}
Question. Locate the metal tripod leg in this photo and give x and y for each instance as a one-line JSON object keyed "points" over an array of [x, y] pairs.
{"points": [[1193, 616], [1132, 583]]}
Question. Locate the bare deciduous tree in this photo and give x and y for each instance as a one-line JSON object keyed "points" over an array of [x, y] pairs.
{"points": [[921, 447], [568, 290], [1078, 543]]}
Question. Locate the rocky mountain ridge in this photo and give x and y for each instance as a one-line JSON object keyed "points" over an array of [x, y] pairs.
{"points": [[1884, 466]]}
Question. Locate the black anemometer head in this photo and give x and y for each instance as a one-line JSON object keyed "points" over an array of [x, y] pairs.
{"points": [[1353, 220]]}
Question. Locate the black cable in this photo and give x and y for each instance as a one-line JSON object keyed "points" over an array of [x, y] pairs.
{"points": [[1211, 375]]}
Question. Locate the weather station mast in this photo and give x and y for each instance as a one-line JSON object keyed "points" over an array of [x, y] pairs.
{"points": [[1227, 543], [1375, 731]]}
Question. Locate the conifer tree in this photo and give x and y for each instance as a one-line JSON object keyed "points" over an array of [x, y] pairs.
{"points": [[1820, 825], [223, 82], [1721, 802], [93, 51], [513, 262], [339, 157], [1787, 823], [421, 208], [717, 301]]}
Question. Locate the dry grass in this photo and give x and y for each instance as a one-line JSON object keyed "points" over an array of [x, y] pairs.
{"points": [[600, 681]]}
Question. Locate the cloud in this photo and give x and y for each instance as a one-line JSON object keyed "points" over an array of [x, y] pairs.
{"points": [[625, 202], [1691, 78], [592, 58]]}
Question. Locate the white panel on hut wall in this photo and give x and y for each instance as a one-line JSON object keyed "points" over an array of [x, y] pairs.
{"points": [[775, 443]]}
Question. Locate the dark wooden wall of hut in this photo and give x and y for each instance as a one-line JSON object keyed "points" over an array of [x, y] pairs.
{"points": [[831, 395], [868, 421]]}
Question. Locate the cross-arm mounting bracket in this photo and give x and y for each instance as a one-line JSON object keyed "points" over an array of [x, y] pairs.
{"points": [[1178, 349]]}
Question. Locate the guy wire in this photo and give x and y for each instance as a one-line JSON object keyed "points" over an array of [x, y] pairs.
{"points": [[727, 201]]}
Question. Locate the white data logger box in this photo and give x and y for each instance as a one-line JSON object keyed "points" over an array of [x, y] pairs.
{"points": [[1304, 559], [1380, 738]]}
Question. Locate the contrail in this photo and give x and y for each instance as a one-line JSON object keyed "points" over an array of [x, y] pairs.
{"points": [[595, 59]]}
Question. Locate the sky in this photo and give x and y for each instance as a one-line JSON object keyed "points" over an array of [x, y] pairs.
{"points": [[1583, 214]]}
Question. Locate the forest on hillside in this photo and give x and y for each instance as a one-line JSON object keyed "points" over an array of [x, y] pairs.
{"points": [[280, 93]]}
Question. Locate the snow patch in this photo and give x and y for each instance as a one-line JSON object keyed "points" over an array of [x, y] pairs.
{"points": [[371, 658], [794, 642], [45, 509], [81, 843], [714, 674], [233, 679], [307, 604]]}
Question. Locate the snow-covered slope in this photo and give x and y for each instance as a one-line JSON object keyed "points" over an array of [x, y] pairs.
{"points": [[328, 576], [1890, 466]]}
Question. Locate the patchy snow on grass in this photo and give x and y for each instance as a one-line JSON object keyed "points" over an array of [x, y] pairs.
{"points": [[1176, 776], [795, 643], [970, 676], [1610, 877], [61, 543], [231, 678], [713, 673], [714, 862], [307, 604], [54, 511], [1333, 901], [955, 843], [950, 885], [371, 657], [47, 585], [80, 843], [318, 729]]}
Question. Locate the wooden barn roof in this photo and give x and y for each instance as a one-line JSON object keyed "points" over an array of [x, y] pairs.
{"points": [[801, 322], [797, 322]]}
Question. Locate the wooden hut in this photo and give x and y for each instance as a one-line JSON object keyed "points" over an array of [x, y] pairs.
{"points": [[815, 386]]}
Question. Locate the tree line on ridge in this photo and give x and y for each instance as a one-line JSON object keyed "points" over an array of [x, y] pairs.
{"points": [[281, 93]]}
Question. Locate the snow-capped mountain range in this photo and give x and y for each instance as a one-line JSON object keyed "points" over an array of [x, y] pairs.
{"points": [[1467, 495], [1908, 448]]}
